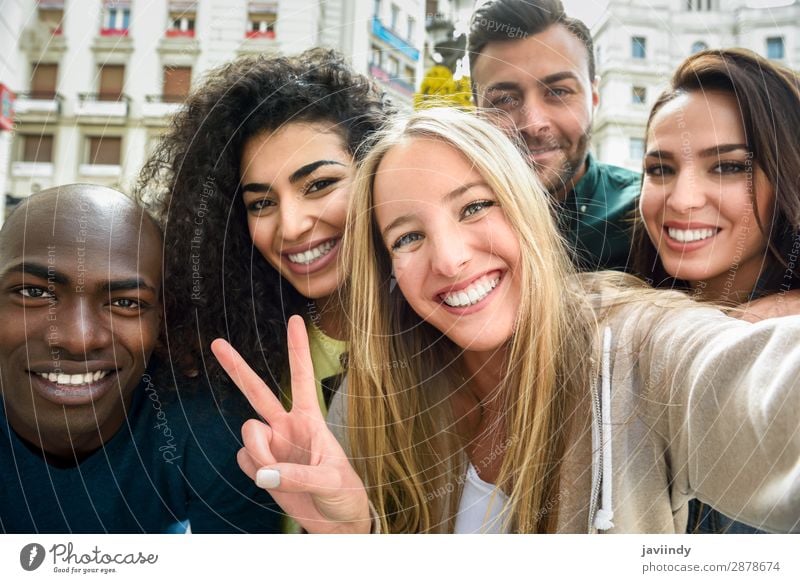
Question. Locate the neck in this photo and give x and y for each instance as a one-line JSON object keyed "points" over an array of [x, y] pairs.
{"points": [[561, 194], [328, 316], [485, 372]]}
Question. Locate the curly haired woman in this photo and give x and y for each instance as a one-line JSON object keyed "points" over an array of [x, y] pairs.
{"points": [[251, 183]]}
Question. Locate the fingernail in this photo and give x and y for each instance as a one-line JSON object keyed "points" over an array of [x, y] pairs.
{"points": [[266, 478]]}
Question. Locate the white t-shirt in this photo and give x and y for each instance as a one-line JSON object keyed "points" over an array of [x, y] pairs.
{"points": [[482, 506]]}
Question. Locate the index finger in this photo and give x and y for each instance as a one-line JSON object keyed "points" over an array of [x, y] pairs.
{"points": [[304, 385], [256, 390]]}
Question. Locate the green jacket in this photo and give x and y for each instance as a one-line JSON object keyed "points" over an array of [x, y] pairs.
{"points": [[596, 217]]}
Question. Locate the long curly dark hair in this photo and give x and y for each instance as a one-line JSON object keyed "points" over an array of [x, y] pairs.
{"points": [[217, 284]]}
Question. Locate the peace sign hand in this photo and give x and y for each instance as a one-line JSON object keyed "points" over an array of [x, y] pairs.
{"points": [[293, 455]]}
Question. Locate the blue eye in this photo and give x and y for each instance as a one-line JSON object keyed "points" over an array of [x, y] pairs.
{"points": [[475, 207], [406, 239]]}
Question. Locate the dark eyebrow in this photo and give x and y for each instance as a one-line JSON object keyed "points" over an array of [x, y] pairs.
{"points": [[297, 175], [544, 81], [722, 149], [127, 284], [38, 270], [661, 154], [304, 171], [453, 194], [712, 151]]}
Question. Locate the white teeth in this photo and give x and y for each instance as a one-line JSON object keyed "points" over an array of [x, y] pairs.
{"points": [[308, 256], [473, 294], [75, 379], [690, 235]]}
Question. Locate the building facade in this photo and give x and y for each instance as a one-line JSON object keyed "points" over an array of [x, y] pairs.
{"points": [[639, 44], [95, 81]]}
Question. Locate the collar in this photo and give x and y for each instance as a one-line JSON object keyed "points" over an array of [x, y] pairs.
{"points": [[586, 188]]}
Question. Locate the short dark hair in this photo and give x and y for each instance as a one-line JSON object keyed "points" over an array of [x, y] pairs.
{"points": [[506, 20]]}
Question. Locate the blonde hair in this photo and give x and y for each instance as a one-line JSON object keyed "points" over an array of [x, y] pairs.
{"points": [[399, 417]]}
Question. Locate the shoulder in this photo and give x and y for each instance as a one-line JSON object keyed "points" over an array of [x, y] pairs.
{"points": [[618, 178]]}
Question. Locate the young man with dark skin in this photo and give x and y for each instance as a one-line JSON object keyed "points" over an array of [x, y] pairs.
{"points": [[89, 439], [533, 67]]}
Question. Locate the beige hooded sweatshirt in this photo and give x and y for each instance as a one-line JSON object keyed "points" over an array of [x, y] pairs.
{"points": [[689, 403]]}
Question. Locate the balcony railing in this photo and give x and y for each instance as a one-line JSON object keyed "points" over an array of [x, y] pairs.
{"points": [[113, 32], [162, 106], [105, 105], [31, 169], [38, 102], [387, 35], [176, 33], [260, 34]]}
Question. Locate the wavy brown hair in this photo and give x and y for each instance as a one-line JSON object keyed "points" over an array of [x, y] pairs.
{"points": [[768, 96], [217, 284]]}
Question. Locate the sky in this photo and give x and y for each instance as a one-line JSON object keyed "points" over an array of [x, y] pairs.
{"points": [[590, 10]]}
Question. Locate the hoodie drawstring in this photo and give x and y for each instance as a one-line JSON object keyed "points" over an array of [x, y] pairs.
{"points": [[602, 520]]}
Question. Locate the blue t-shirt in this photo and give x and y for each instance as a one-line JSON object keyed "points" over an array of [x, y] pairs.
{"points": [[171, 465]]}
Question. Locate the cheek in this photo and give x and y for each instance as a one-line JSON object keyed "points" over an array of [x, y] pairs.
{"points": [[334, 210], [262, 232]]}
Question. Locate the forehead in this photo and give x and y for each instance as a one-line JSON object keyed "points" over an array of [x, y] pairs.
{"points": [[96, 240], [294, 145], [421, 169], [698, 118], [524, 61]]}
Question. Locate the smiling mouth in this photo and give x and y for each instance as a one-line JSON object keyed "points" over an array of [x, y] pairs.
{"points": [[473, 294], [310, 256], [690, 235], [74, 380]]}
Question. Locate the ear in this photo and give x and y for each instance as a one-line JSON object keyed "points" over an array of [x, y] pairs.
{"points": [[595, 92]]}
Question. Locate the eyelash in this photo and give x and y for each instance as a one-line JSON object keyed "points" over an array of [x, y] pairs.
{"points": [[139, 305], [468, 211], [313, 187], [720, 168]]}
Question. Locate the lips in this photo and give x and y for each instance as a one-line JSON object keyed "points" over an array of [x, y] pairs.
{"points": [[686, 237], [470, 295], [309, 258], [73, 389]]}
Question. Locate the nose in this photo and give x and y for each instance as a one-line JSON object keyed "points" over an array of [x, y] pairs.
{"points": [[686, 193], [79, 330], [532, 119], [450, 252], [294, 219]]}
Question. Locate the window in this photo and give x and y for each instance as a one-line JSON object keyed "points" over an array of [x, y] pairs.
{"points": [[636, 149], [262, 19], [376, 8], [112, 79], [639, 47], [409, 74], [51, 17], [37, 149], [116, 17], [43, 81], [775, 47], [181, 22], [395, 17], [394, 67], [104, 150], [376, 56], [410, 29], [698, 46], [639, 95], [176, 84]]}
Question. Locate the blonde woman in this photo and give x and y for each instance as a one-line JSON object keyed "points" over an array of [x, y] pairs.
{"points": [[491, 389]]}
